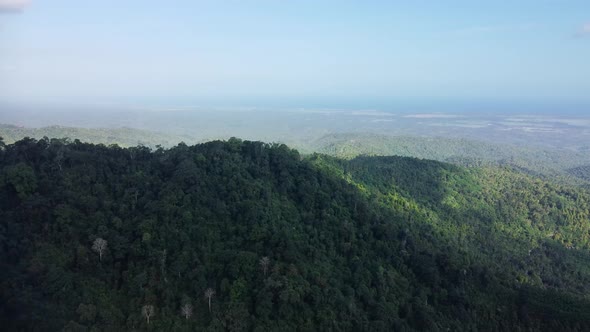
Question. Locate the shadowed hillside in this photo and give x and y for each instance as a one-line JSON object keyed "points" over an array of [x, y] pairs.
{"points": [[251, 236], [556, 165]]}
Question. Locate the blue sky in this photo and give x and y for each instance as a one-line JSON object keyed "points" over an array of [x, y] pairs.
{"points": [[536, 50]]}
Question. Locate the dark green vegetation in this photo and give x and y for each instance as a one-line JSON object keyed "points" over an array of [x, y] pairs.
{"points": [[562, 166], [283, 242]]}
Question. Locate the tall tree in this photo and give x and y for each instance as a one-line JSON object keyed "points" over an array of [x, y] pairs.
{"points": [[99, 245], [148, 312], [265, 263], [209, 293], [186, 310]]}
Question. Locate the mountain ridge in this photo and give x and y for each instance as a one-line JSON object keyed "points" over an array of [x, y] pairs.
{"points": [[372, 243]]}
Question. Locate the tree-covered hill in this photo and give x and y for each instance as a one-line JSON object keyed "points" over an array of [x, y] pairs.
{"points": [[564, 166], [582, 172], [243, 235]]}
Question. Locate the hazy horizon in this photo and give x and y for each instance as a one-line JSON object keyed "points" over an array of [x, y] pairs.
{"points": [[379, 55], [296, 72]]}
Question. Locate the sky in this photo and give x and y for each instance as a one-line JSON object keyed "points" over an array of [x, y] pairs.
{"points": [[166, 51]]}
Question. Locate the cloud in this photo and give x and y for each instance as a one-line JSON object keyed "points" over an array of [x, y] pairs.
{"points": [[11, 6]]}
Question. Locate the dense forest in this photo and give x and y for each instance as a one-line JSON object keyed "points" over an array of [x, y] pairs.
{"points": [[239, 235], [563, 165]]}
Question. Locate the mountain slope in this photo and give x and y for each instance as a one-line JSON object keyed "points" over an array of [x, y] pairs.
{"points": [[285, 243], [558, 165], [563, 166]]}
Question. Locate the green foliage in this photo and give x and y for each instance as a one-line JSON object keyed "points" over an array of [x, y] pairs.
{"points": [[564, 166], [372, 243], [21, 178]]}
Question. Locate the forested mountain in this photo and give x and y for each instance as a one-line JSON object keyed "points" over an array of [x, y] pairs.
{"points": [[565, 166], [242, 235], [562, 166]]}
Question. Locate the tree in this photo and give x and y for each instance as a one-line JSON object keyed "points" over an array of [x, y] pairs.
{"points": [[186, 310], [100, 245], [23, 179], [265, 263], [209, 292], [365, 244], [147, 311]]}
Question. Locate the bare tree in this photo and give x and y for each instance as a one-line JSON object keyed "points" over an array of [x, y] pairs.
{"points": [[100, 245], [59, 157], [147, 311], [265, 263], [186, 310], [209, 292]]}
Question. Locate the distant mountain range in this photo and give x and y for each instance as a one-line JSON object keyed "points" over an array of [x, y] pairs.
{"points": [[564, 166], [124, 137]]}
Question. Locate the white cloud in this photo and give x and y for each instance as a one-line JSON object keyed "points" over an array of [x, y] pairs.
{"points": [[13, 5]]}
